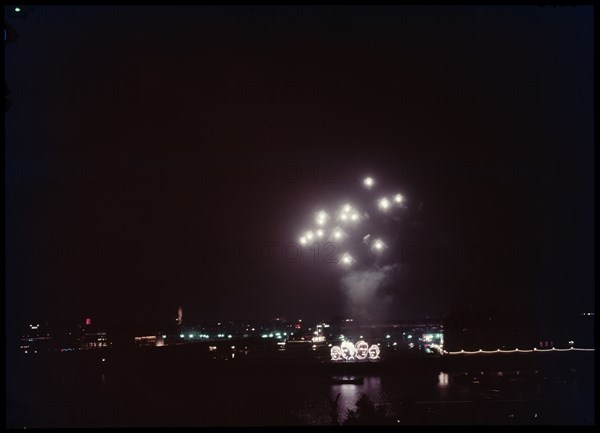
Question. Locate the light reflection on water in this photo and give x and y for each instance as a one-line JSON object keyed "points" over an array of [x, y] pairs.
{"points": [[443, 379], [443, 383], [483, 396], [350, 393], [409, 396]]}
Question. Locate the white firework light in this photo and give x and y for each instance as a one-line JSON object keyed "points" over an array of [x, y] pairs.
{"points": [[362, 231]]}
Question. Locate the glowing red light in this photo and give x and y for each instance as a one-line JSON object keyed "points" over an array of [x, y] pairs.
{"points": [[88, 321]]}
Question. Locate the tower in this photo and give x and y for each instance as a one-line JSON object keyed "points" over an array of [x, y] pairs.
{"points": [[179, 315]]}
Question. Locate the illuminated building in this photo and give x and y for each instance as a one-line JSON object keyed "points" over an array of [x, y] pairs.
{"points": [[93, 338], [37, 338], [150, 340]]}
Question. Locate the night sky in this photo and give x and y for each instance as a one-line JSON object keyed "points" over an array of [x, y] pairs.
{"points": [[146, 145]]}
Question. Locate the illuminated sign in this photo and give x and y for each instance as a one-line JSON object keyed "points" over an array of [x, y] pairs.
{"points": [[348, 351]]}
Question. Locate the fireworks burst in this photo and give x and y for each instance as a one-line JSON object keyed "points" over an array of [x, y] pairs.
{"points": [[365, 229]]}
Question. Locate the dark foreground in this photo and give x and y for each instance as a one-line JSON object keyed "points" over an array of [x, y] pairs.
{"points": [[175, 387]]}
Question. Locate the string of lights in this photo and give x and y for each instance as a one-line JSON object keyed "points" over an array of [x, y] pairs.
{"points": [[535, 349]]}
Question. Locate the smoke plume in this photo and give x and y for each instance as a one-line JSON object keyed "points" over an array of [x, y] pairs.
{"points": [[366, 294]]}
